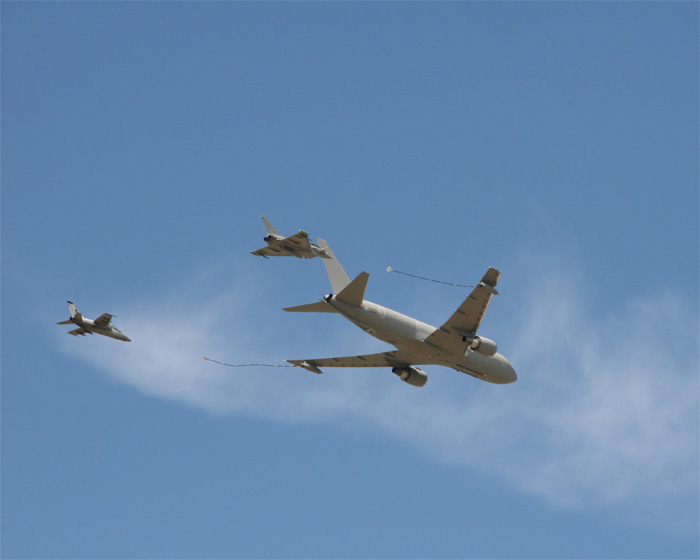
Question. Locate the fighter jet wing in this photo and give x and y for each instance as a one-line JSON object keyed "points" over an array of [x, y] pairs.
{"points": [[384, 359], [466, 320], [104, 320], [299, 240], [79, 332], [270, 251]]}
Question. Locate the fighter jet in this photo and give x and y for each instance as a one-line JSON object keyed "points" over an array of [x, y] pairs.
{"points": [[455, 344], [297, 245], [102, 325]]}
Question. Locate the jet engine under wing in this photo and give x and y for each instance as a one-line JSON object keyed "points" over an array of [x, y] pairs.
{"points": [[384, 359], [466, 320]]}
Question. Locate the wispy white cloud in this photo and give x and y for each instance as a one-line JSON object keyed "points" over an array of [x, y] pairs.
{"points": [[604, 413], [616, 408]]}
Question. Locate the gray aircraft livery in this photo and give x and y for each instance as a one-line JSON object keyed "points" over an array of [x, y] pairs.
{"points": [[102, 325], [297, 245], [455, 344]]}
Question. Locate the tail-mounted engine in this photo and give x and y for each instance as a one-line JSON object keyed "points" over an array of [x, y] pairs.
{"points": [[411, 375], [482, 345]]}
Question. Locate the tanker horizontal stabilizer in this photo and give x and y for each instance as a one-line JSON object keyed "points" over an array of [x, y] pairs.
{"points": [[354, 292], [318, 307]]}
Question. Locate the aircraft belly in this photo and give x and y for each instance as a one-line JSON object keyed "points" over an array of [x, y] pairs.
{"points": [[494, 369], [392, 329]]}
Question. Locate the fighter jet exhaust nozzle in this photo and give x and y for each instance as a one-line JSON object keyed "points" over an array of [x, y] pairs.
{"points": [[482, 345], [411, 375]]}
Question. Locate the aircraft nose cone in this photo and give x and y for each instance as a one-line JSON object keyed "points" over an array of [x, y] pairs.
{"points": [[506, 372], [510, 374]]}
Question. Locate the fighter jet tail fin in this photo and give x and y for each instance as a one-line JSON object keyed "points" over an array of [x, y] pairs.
{"points": [[336, 273], [269, 227], [74, 313]]}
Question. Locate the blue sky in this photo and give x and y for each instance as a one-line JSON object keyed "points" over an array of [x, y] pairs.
{"points": [[142, 141]]}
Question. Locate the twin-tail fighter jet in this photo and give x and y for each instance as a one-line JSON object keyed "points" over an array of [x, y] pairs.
{"points": [[297, 245], [455, 344], [102, 325]]}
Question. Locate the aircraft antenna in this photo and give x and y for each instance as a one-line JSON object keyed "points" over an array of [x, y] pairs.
{"points": [[245, 365], [389, 269]]}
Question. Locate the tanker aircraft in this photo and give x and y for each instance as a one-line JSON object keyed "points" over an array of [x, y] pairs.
{"points": [[102, 325], [455, 344], [297, 245]]}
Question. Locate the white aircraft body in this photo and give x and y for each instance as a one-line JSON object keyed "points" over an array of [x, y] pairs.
{"points": [[455, 344], [297, 245], [102, 325]]}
